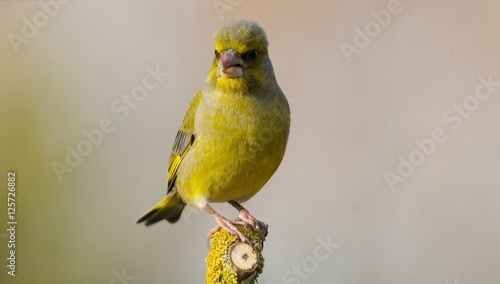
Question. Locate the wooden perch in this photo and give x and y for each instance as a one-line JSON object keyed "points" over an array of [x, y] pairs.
{"points": [[232, 261]]}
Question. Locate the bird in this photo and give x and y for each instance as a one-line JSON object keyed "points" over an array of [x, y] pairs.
{"points": [[233, 135]]}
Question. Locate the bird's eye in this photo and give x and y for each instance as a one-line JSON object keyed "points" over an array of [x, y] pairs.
{"points": [[217, 54], [251, 55]]}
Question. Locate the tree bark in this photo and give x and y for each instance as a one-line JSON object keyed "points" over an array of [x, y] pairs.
{"points": [[232, 261]]}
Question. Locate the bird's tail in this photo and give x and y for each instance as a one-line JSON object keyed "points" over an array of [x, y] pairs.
{"points": [[170, 208]]}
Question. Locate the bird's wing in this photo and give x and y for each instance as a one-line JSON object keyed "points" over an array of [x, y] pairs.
{"points": [[183, 142]]}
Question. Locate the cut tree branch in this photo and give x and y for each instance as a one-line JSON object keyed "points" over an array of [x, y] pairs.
{"points": [[232, 261]]}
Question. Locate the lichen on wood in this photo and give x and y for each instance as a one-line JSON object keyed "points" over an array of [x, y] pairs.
{"points": [[232, 261]]}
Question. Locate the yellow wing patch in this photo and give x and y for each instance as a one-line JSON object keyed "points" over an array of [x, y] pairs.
{"points": [[184, 141]]}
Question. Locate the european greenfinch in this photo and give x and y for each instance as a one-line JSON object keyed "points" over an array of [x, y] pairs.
{"points": [[233, 135]]}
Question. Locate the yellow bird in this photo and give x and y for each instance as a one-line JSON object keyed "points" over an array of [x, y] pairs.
{"points": [[233, 135]]}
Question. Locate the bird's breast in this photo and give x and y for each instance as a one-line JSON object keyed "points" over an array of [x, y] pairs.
{"points": [[240, 144]]}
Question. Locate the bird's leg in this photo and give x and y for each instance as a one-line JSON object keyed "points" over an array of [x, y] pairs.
{"points": [[246, 217], [225, 224]]}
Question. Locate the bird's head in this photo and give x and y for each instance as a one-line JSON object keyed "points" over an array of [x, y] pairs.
{"points": [[241, 59]]}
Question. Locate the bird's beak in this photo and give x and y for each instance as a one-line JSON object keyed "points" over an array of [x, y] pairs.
{"points": [[231, 65]]}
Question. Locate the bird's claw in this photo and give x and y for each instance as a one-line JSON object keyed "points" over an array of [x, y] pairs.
{"points": [[245, 217], [229, 226]]}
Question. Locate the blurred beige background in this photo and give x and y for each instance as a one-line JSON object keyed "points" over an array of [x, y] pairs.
{"points": [[355, 116]]}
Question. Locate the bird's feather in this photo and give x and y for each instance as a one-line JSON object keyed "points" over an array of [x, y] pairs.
{"points": [[184, 141]]}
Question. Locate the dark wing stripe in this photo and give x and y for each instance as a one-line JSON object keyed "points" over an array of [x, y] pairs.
{"points": [[184, 140], [182, 144]]}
